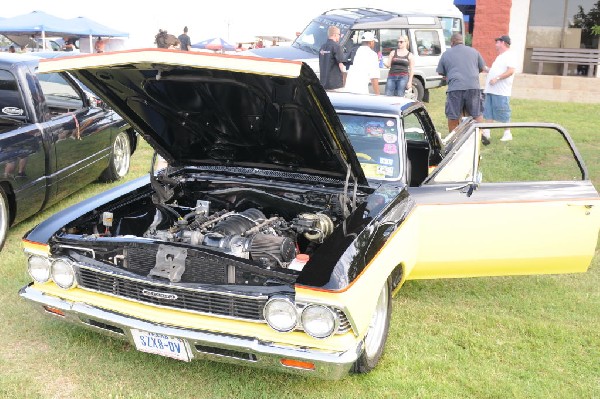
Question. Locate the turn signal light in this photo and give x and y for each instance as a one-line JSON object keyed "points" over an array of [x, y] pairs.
{"points": [[298, 364], [53, 310]]}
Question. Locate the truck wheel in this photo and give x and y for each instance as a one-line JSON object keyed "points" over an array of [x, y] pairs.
{"points": [[120, 158], [418, 91], [4, 217], [377, 333]]}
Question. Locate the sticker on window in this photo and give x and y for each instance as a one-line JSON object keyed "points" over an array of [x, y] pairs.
{"points": [[390, 149], [374, 129], [12, 111], [372, 171], [385, 170], [390, 138], [386, 161]]}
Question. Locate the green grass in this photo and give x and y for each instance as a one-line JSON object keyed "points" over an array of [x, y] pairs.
{"points": [[511, 337]]}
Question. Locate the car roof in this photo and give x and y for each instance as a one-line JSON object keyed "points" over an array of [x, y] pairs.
{"points": [[367, 103], [366, 15]]}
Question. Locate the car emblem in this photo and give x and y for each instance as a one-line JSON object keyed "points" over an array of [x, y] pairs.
{"points": [[12, 111], [161, 295]]}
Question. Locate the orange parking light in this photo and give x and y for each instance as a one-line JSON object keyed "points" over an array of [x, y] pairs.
{"points": [[298, 364]]}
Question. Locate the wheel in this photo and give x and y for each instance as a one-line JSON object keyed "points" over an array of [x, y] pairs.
{"points": [[418, 91], [120, 158], [4, 217], [377, 333]]}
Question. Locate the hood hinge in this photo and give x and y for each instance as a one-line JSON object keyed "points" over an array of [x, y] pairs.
{"points": [[344, 201]]}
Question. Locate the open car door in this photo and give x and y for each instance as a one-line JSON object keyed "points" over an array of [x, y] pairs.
{"points": [[521, 207]]}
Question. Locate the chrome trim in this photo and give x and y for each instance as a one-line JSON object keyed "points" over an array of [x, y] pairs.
{"points": [[299, 306], [79, 249], [168, 286], [268, 355]]}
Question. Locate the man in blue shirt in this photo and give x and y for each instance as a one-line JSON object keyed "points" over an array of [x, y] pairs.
{"points": [[184, 40], [461, 66]]}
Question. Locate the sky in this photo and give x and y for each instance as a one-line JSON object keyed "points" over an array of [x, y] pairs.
{"points": [[233, 20]]}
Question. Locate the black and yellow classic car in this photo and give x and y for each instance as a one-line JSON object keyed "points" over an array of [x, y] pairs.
{"points": [[287, 217]]}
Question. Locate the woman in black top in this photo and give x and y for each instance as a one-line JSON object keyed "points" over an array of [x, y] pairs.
{"points": [[401, 63]]}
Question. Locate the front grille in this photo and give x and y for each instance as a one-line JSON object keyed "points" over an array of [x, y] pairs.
{"points": [[213, 303]]}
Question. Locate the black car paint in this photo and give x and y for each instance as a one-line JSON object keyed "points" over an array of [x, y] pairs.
{"points": [[191, 126], [56, 166]]}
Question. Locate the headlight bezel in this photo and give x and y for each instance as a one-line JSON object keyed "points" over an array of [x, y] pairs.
{"points": [[335, 320], [281, 301], [48, 268], [69, 267]]}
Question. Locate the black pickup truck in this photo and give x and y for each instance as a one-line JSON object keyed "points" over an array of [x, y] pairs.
{"points": [[55, 137]]}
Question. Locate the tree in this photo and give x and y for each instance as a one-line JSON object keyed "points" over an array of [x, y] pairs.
{"points": [[589, 23]]}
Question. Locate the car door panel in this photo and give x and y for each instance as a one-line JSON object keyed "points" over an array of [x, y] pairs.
{"points": [[506, 229], [503, 228]]}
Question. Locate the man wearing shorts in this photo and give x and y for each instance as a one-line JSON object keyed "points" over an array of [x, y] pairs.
{"points": [[461, 66], [498, 88]]}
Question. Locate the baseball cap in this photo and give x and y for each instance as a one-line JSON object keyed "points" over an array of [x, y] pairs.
{"points": [[504, 38], [368, 37]]}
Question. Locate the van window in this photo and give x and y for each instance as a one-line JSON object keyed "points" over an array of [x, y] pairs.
{"points": [[389, 38], [451, 25], [428, 43], [353, 43]]}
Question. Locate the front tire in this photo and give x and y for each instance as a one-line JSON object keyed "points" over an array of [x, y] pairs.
{"points": [[120, 158], [4, 217], [374, 341], [418, 91]]}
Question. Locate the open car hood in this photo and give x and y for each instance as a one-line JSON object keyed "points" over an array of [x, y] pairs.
{"points": [[211, 109]]}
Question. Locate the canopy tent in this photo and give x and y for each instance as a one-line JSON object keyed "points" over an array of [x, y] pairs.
{"points": [[39, 23], [86, 26], [215, 44]]}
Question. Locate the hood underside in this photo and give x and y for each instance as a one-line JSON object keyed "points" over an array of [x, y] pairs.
{"points": [[209, 109]]}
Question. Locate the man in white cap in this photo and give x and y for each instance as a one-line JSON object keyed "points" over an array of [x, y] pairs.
{"points": [[364, 68], [498, 88]]}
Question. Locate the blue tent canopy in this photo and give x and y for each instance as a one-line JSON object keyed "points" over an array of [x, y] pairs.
{"points": [[40, 23], [36, 22], [86, 26]]}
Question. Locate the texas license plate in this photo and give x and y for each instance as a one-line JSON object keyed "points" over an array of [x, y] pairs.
{"points": [[160, 344]]}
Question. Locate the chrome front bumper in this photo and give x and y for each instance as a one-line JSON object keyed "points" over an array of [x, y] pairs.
{"points": [[246, 351]]}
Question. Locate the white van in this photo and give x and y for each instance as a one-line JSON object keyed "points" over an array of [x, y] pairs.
{"points": [[429, 36]]}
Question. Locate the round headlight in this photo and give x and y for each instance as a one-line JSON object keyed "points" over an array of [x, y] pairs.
{"points": [[63, 273], [281, 314], [38, 268], [319, 321]]}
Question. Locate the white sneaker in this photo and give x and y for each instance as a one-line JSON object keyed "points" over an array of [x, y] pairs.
{"points": [[507, 136]]}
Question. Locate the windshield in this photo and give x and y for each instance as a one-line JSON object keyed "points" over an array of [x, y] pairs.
{"points": [[375, 141], [315, 35]]}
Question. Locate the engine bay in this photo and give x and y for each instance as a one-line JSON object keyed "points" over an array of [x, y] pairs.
{"points": [[271, 227]]}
